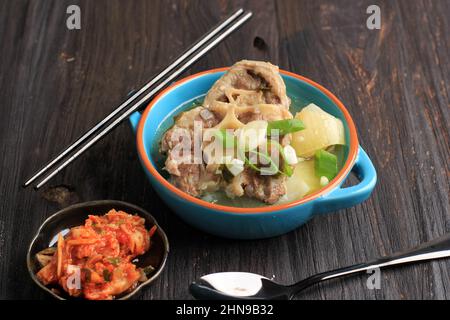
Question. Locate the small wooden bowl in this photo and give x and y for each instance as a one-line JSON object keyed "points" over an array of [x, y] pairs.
{"points": [[76, 215]]}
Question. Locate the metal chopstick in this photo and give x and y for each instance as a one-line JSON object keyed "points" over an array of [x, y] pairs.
{"points": [[208, 36], [145, 99]]}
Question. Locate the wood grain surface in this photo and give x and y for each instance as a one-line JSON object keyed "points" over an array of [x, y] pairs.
{"points": [[56, 83]]}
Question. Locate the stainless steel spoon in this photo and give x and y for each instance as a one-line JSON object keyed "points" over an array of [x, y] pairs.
{"points": [[242, 285]]}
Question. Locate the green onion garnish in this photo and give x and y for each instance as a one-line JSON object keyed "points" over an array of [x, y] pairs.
{"points": [[285, 126], [325, 164], [271, 170], [286, 169], [114, 261]]}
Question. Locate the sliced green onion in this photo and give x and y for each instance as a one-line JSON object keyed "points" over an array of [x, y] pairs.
{"points": [[286, 169], [285, 126], [325, 164], [226, 138], [114, 261], [271, 170]]}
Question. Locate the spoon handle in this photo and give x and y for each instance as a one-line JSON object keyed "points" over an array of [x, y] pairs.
{"points": [[435, 249]]}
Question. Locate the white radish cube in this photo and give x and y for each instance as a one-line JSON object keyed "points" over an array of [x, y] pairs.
{"points": [[291, 156]]}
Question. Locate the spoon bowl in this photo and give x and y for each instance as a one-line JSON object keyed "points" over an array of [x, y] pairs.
{"points": [[237, 285]]}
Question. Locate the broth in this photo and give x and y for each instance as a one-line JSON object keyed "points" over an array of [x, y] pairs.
{"points": [[219, 197]]}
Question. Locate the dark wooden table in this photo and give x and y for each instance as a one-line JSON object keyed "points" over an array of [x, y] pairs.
{"points": [[56, 83]]}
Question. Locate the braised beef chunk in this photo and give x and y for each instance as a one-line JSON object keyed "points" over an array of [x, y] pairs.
{"points": [[267, 112], [187, 119], [271, 98], [247, 78], [268, 189], [192, 178]]}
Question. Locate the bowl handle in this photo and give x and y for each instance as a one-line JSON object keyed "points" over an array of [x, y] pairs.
{"points": [[134, 120], [341, 198]]}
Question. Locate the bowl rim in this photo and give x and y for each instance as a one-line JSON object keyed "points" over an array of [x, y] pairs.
{"points": [[352, 154], [93, 203]]}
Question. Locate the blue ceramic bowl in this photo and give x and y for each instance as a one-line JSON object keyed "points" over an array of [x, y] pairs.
{"points": [[250, 223]]}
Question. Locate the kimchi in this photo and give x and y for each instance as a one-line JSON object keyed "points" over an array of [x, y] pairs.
{"points": [[95, 261]]}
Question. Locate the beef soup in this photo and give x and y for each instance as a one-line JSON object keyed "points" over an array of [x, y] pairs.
{"points": [[243, 145]]}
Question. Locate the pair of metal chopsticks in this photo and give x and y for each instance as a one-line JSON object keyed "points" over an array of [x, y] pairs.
{"points": [[124, 110]]}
